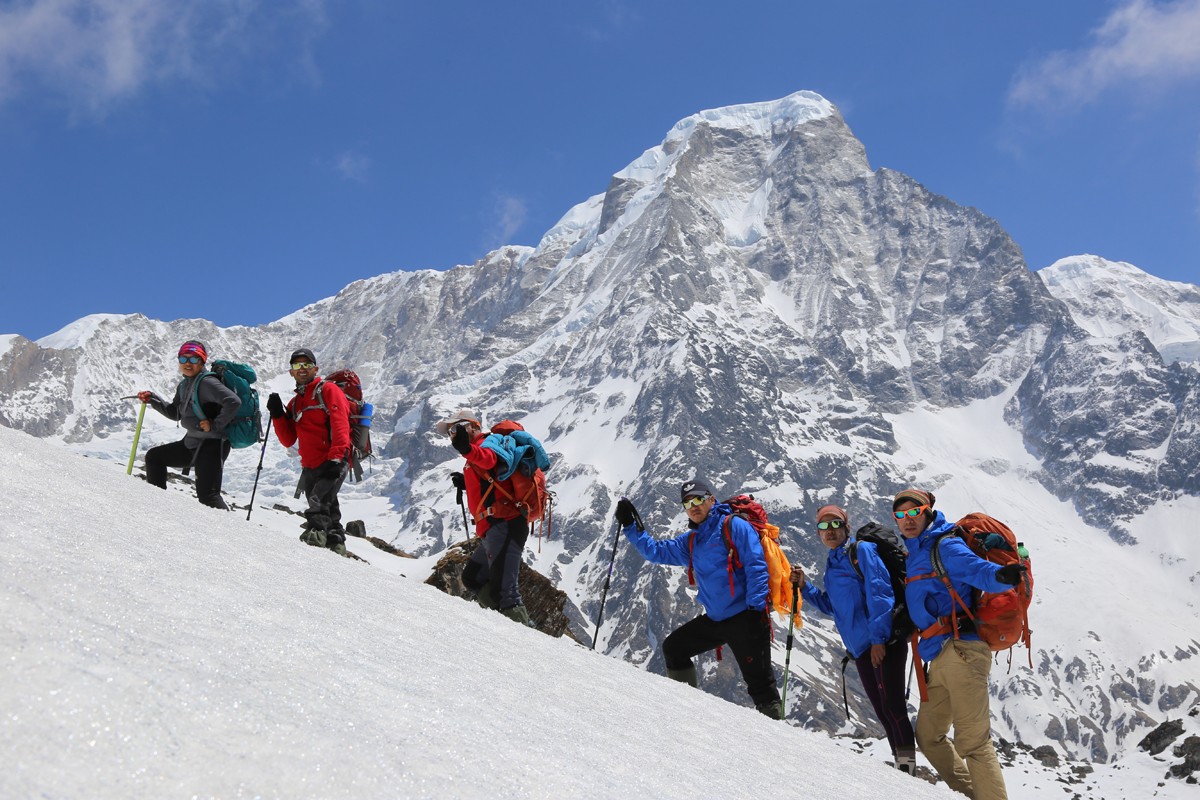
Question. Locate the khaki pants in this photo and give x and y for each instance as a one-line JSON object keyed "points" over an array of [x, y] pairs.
{"points": [[958, 697]]}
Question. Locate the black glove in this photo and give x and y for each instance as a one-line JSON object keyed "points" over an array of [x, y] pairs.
{"points": [[461, 439], [1010, 574], [275, 406], [332, 468], [626, 513], [457, 481]]}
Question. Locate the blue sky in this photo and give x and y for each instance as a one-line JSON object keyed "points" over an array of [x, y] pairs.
{"points": [[155, 151]]}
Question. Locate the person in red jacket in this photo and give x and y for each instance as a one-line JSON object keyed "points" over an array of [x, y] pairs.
{"points": [[491, 570], [317, 420]]}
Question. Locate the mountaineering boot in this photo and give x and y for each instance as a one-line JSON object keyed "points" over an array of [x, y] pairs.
{"points": [[486, 597], [335, 540], [315, 526], [771, 710], [518, 614], [906, 760], [687, 676]]}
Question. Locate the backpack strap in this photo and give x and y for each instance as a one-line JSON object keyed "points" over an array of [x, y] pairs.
{"points": [[732, 560], [520, 503], [196, 392], [950, 624], [853, 553]]}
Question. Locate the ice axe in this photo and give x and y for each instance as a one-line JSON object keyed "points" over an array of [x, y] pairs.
{"points": [[137, 434]]}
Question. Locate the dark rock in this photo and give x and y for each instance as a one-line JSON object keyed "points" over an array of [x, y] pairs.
{"points": [[1161, 737], [542, 600]]}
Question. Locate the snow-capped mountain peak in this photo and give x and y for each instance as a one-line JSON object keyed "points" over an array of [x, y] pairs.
{"points": [[1112, 298]]}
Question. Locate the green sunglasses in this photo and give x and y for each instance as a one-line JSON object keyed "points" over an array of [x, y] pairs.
{"points": [[831, 523]]}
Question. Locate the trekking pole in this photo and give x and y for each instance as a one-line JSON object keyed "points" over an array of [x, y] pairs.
{"points": [[137, 433], [261, 456], [462, 507], [608, 577], [787, 661]]}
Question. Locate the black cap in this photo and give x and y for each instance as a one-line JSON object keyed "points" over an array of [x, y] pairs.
{"points": [[303, 354], [694, 488]]}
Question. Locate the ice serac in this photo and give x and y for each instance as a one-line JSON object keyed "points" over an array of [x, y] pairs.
{"points": [[751, 301]]}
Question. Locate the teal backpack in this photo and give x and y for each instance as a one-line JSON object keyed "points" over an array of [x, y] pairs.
{"points": [[246, 428]]}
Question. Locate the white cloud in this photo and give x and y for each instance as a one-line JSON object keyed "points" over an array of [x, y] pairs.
{"points": [[352, 165], [509, 214], [94, 53], [1141, 44]]}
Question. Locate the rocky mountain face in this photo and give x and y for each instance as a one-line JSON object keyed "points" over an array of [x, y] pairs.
{"points": [[752, 302]]}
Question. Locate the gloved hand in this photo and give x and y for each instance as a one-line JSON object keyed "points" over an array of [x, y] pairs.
{"points": [[332, 468], [145, 396], [626, 512], [461, 439], [1011, 574], [275, 406], [457, 481]]}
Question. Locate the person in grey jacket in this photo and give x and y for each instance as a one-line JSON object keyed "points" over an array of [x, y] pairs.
{"points": [[204, 408]]}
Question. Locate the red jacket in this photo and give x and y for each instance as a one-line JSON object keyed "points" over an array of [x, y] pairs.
{"points": [[481, 461], [323, 436]]}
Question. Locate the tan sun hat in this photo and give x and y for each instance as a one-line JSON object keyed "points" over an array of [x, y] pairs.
{"points": [[461, 415]]}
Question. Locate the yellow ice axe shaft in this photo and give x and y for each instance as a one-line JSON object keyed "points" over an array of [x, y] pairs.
{"points": [[137, 432]]}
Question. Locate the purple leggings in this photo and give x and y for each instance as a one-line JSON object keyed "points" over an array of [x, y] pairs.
{"points": [[884, 686]]}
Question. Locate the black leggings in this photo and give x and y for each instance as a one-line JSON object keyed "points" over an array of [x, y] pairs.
{"points": [[884, 686], [748, 635], [209, 464]]}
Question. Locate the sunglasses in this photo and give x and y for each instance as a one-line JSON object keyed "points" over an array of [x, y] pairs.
{"points": [[832, 523], [910, 512], [303, 365], [694, 502], [191, 360]]}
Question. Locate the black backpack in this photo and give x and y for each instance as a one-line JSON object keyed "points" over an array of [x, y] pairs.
{"points": [[895, 556]]}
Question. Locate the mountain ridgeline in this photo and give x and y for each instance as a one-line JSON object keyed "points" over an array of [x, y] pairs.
{"points": [[752, 302]]}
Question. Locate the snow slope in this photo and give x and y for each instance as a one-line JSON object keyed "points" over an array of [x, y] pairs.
{"points": [[157, 648]]}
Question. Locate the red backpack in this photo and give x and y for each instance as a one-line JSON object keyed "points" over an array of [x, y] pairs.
{"points": [[528, 498], [1000, 619], [360, 416]]}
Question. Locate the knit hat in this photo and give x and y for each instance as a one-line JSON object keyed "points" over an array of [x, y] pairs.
{"points": [[461, 415], [913, 495], [194, 348], [834, 512], [694, 488], [302, 355]]}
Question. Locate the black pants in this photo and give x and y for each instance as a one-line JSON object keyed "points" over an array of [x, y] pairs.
{"points": [[321, 485], [209, 463], [884, 686], [747, 634], [497, 561]]}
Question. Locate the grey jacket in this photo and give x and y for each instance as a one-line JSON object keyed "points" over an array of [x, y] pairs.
{"points": [[218, 402]]}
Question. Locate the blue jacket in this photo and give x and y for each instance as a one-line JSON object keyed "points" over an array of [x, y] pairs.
{"points": [[861, 607], [710, 562], [929, 599], [513, 448]]}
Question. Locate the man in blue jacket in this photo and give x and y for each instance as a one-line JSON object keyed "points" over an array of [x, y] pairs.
{"points": [[957, 661], [734, 597]]}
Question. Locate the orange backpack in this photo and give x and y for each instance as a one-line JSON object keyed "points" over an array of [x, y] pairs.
{"points": [[1000, 619]]}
